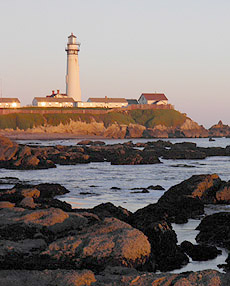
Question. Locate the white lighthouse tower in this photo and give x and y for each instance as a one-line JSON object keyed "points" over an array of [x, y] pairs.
{"points": [[72, 74]]}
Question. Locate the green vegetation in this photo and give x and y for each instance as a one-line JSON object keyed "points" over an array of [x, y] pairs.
{"points": [[21, 121], [149, 118]]}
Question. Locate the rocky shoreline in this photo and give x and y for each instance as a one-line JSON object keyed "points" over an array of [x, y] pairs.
{"points": [[98, 130], [44, 238], [25, 157], [44, 241]]}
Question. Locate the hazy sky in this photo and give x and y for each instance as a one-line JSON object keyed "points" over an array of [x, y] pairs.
{"points": [[178, 47]]}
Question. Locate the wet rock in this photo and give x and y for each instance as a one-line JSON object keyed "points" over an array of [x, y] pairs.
{"points": [[47, 277], [144, 191], [157, 187], [115, 188], [109, 210], [135, 157], [215, 230], [151, 220], [110, 242], [18, 223], [51, 190], [201, 187], [200, 252], [17, 255]]}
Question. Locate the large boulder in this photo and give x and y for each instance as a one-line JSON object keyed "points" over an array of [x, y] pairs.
{"points": [[215, 230], [200, 252], [201, 187], [122, 277], [152, 221], [111, 242], [18, 223], [110, 210], [47, 278]]}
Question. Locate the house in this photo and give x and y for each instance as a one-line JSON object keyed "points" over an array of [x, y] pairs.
{"points": [[132, 101], [9, 102], [57, 94], [153, 98], [107, 102], [53, 102]]}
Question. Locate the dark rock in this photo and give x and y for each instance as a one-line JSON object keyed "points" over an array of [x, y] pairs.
{"points": [[109, 210], [115, 188], [202, 187], [152, 221], [200, 252], [215, 230], [48, 190], [144, 191], [157, 187]]}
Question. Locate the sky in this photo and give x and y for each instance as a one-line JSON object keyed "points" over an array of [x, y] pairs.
{"points": [[128, 47]]}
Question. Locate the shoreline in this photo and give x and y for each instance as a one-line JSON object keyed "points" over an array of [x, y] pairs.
{"points": [[18, 135]]}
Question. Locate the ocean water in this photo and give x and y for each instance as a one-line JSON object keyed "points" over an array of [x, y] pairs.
{"points": [[90, 184]]}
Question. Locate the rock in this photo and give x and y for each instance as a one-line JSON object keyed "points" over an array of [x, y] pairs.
{"points": [[115, 188], [135, 157], [18, 223], [47, 278], [219, 130], [27, 203], [223, 193], [51, 190], [200, 252], [151, 220], [109, 210], [144, 191], [134, 131], [6, 205], [85, 142], [111, 242], [215, 230], [201, 187], [8, 149], [18, 255], [117, 277], [9, 181], [157, 187]]}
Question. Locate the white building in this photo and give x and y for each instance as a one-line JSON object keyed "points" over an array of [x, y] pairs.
{"points": [[53, 102], [72, 75], [104, 102], [9, 102], [153, 98]]}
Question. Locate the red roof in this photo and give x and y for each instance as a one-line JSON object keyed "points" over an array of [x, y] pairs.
{"points": [[154, 96]]}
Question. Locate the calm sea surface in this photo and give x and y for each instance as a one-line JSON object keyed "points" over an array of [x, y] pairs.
{"points": [[97, 179]]}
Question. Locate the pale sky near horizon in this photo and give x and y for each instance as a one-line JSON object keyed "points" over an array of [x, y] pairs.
{"points": [[177, 47]]}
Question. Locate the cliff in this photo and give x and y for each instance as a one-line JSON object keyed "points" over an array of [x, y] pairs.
{"points": [[219, 130], [113, 124]]}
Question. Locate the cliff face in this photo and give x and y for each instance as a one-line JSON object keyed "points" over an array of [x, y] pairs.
{"points": [[219, 130], [188, 129], [133, 124]]}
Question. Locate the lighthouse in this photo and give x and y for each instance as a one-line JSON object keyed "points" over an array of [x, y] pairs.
{"points": [[72, 74]]}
